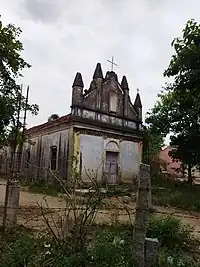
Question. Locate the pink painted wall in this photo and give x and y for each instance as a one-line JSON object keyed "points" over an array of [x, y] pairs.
{"points": [[167, 162]]}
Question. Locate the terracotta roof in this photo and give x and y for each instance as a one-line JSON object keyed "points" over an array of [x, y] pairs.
{"points": [[49, 124]]}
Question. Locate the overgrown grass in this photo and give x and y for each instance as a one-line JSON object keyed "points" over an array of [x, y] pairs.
{"points": [[42, 187], [46, 189], [175, 194], [106, 246]]}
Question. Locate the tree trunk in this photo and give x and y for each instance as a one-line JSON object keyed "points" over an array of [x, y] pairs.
{"points": [[190, 174]]}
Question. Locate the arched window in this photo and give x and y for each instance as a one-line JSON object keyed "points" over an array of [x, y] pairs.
{"points": [[113, 101]]}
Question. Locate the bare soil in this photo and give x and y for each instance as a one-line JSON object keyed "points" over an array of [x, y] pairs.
{"points": [[114, 208]]}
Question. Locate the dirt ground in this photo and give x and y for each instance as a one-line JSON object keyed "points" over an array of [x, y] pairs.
{"points": [[30, 211]]}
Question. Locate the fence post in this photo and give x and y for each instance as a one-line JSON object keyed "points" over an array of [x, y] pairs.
{"points": [[141, 216], [144, 249], [11, 205]]}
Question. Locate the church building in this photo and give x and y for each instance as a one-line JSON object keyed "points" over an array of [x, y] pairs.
{"points": [[101, 138]]}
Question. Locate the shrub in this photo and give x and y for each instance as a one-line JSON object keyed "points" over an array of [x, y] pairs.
{"points": [[170, 231], [168, 258], [109, 249], [20, 253], [106, 246]]}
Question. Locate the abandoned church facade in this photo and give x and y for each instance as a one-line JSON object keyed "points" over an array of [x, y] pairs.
{"points": [[101, 138]]}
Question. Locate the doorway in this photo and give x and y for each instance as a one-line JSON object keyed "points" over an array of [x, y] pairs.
{"points": [[111, 169]]}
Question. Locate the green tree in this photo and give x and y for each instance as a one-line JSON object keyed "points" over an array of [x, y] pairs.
{"points": [[152, 144], [177, 110], [11, 66]]}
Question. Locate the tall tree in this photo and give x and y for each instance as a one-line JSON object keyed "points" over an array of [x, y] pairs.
{"points": [[11, 66], [152, 144], [177, 110]]}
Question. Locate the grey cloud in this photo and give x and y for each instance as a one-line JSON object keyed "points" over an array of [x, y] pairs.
{"points": [[46, 11], [73, 35]]}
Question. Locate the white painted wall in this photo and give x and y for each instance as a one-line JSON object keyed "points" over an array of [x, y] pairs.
{"points": [[93, 149], [129, 160]]}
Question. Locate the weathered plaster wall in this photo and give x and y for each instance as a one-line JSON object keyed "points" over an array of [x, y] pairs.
{"points": [[104, 118], [32, 170], [59, 139], [140, 151], [93, 152], [129, 160], [5, 156], [91, 149], [40, 155]]}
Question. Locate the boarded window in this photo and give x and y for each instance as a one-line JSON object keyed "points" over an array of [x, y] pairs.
{"points": [[28, 156], [53, 158], [113, 102]]}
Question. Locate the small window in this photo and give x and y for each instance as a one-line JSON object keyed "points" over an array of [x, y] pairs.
{"points": [[28, 156], [53, 158], [113, 102]]}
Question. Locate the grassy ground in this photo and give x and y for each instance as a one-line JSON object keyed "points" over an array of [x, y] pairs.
{"points": [[50, 189], [176, 194], [164, 193], [46, 189], [106, 246]]}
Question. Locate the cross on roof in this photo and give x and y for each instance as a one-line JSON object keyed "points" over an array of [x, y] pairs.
{"points": [[138, 90], [112, 63]]}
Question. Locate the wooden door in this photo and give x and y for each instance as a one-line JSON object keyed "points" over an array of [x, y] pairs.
{"points": [[111, 167]]}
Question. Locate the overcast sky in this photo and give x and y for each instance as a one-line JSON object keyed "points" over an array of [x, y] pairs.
{"points": [[62, 37]]}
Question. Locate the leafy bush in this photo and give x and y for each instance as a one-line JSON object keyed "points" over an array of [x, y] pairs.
{"points": [[107, 246], [168, 258], [170, 232], [109, 249]]}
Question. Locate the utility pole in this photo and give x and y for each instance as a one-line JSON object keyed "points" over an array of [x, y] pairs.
{"points": [[23, 132], [12, 194], [16, 132]]}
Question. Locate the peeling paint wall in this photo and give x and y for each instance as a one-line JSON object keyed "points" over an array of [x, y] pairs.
{"points": [[93, 150], [5, 158], [104, 118], [40, 155], [58, 139], [77, 156], [140, 151], [33, 168], [129, 160]]}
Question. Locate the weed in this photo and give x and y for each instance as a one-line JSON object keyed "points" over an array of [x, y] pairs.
{"points": [[51, 189], [110, 249], [176, 194], [170, 258], [170, 232], [106, 246]]}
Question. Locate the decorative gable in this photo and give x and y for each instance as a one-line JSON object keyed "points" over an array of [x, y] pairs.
{"points": [[105, 97]]}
